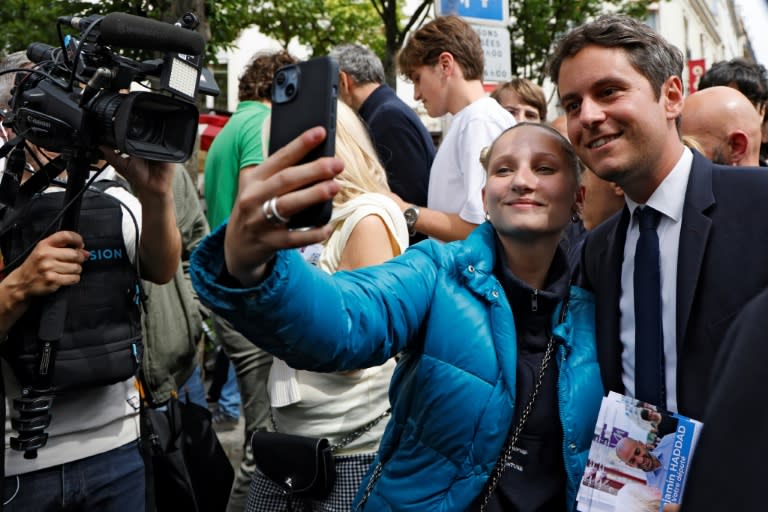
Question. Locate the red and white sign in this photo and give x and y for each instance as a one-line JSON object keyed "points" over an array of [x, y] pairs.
{"points": [[696, 69], [209, 126]]}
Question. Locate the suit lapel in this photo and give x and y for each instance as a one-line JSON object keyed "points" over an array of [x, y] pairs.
{"points": [[608, 292], [694, 234]]}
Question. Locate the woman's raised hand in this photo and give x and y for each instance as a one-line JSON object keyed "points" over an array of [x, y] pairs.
{"points": [[268, 195]]}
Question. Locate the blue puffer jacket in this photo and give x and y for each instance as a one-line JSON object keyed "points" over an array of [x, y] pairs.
{"points": [[453, 392]]}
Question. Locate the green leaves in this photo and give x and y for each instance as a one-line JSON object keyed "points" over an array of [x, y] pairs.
{"points": [[536, 25], [320, 24], [27, 21]]}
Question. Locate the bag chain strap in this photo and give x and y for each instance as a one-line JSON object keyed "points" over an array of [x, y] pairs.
{"points": [[511, 441], [510, 444], [369, 488], [349, 437], [515, 434], [360, 431]]}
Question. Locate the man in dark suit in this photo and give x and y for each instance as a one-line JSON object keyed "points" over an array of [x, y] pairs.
{"points": [[619, 83], [726, 474]]}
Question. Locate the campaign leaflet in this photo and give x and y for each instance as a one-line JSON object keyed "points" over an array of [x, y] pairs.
{"points": [[638, 459]]}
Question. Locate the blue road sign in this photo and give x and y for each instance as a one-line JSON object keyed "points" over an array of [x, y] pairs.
{"points": [[481, 10]]}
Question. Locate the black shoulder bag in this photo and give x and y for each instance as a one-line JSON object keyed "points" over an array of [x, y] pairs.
{"points": [[302, 466]]}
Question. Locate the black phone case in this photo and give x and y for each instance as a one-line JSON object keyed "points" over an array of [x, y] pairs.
{"points": [[312, 104]]}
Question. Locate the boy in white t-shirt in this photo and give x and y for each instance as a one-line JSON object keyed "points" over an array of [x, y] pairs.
{"points": [[444, 60]]}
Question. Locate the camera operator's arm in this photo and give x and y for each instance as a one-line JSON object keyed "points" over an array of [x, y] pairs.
{"points": [[160, 244], [55, 261]]}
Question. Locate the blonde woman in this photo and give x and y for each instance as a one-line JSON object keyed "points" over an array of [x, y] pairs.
{"points": [[368, 229]]}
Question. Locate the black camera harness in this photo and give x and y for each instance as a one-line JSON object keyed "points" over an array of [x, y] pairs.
{"points": [[36, 400]]}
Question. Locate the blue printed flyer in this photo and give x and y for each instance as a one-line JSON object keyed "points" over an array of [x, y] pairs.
{"points": [[638, 459]]}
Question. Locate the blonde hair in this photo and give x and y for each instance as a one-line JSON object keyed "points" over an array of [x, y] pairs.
{"points": [[362, 170], [692, 143]]}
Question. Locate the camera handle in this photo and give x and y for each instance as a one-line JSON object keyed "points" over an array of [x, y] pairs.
{"points": [[35, 402]]}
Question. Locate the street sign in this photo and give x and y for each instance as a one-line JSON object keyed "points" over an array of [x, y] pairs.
{"points": [[482, 11], [495, 41], [696, 68]]}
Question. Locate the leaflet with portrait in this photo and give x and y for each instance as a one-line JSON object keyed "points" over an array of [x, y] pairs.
{"points": [[638, 459]]}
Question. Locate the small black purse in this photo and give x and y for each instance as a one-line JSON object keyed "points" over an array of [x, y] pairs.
{"points": [[301, 466]]}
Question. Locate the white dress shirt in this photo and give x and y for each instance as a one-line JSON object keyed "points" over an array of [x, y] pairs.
{"points": [[668, 198]]}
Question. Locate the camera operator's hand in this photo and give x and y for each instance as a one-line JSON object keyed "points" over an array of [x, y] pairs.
{"points": [[251, 239], [147, 178], [152, 183], [55, 261]]}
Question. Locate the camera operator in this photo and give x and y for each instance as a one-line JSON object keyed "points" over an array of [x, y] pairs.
{"points": [[91, 461]]}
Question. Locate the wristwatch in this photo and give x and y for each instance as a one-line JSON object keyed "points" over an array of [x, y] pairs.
{"points": [[411, 215]]}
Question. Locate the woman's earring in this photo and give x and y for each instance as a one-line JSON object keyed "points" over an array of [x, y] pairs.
{"points": [[487, 216], [575, 217]]}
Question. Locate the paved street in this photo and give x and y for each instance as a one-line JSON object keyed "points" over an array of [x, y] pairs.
{"points": [[232, 441]]}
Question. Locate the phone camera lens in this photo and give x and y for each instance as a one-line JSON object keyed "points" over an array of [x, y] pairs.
{"points": [[290, 90], [280, 78]]}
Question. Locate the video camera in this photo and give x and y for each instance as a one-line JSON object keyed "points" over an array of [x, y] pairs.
{"points": [[76, 98]]}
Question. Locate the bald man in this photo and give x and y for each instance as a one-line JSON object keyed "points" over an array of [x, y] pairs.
{"points": [[725, 124], [652, 460]]}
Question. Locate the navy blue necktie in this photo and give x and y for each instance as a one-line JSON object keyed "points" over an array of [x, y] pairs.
{"points": [[649, 337]]}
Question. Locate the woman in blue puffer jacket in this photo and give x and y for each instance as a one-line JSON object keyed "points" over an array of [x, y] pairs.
{"points": [[493, 340]]}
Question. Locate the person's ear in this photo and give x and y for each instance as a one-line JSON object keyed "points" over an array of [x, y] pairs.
{"points": [[672, 95], [343, 81], [446, 63], [738, 142]]}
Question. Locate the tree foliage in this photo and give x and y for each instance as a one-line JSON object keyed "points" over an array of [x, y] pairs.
{"points": [[27, 21], [395, 32], [320, 24], [536, 24]]}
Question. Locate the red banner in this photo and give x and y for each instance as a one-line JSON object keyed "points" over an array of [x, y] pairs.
{"points": [[696, 68]]}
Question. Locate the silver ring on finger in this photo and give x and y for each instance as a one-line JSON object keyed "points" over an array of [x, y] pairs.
{"points": [[271, 214]]}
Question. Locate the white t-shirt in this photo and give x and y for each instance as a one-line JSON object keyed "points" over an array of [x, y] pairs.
{"points": [[332, 405], [89, 422], [457, 178]]}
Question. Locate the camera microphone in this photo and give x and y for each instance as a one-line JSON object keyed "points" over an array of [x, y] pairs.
{"points": [[128, 31], [41, 52]]}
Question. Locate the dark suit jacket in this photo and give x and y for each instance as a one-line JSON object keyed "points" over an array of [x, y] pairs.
{"points": [[728, 468], [722, 263]]}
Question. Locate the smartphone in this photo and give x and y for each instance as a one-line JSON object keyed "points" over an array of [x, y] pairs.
{"points": [[303, 96]]}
